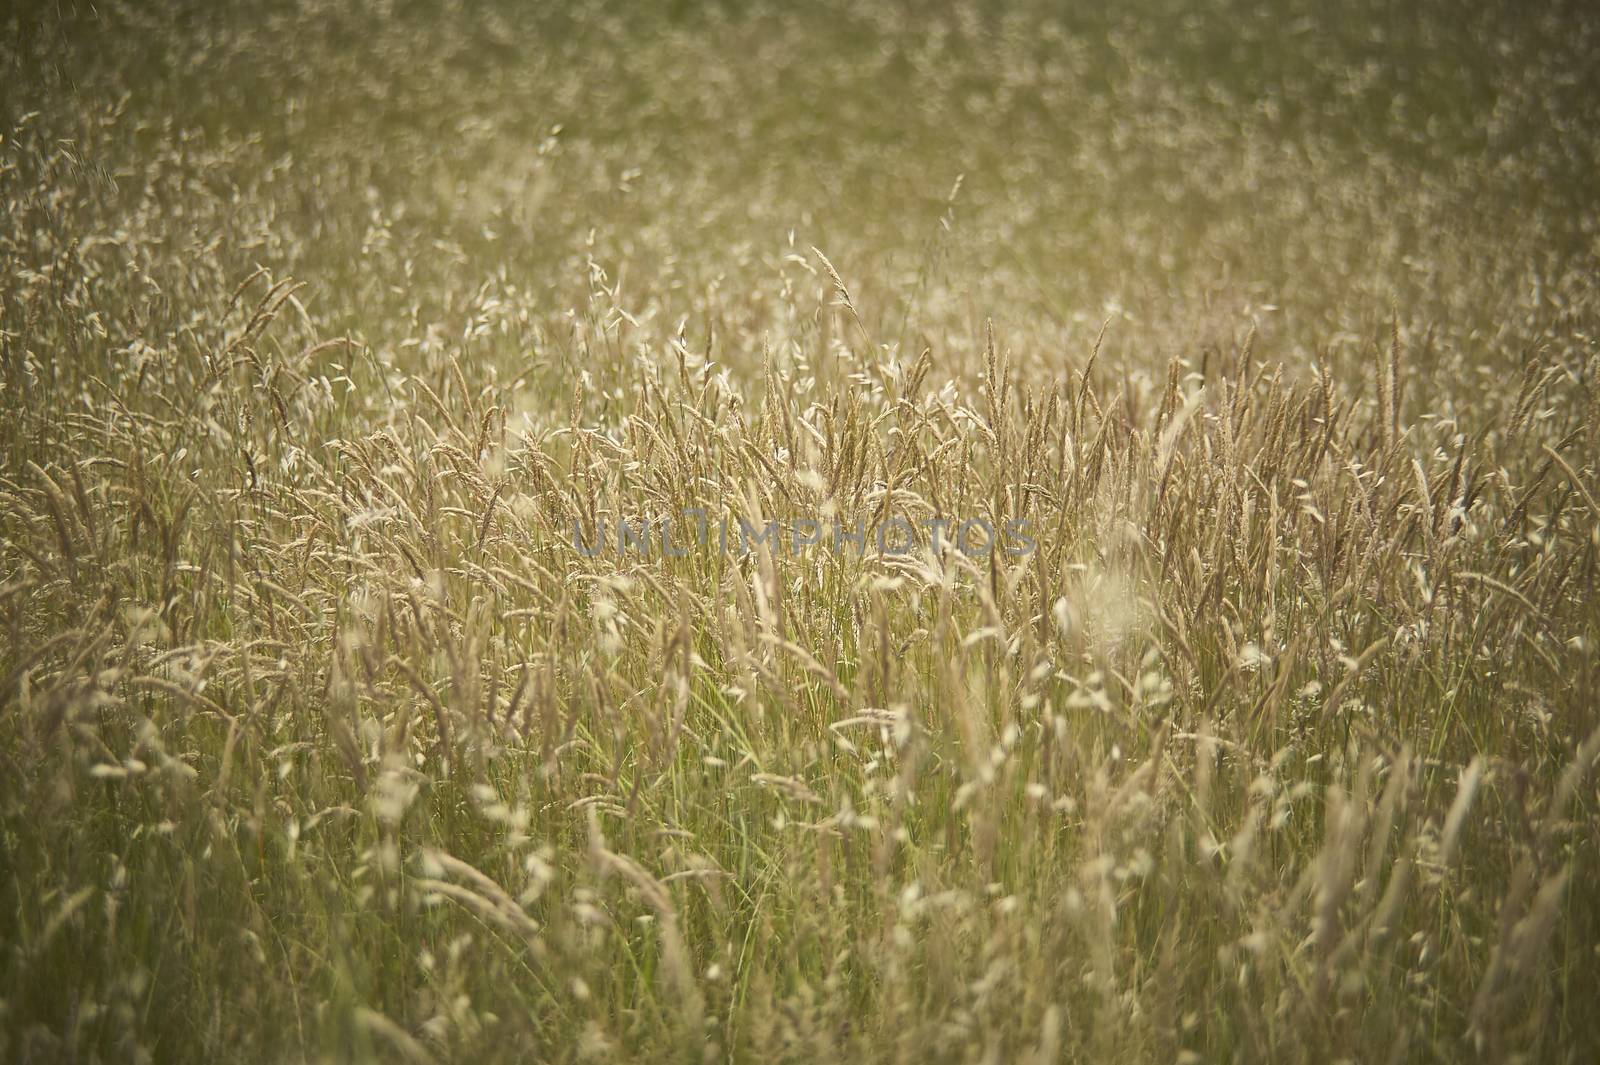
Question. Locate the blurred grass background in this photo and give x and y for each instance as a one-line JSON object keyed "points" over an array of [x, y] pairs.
{"points": [[1185, 166]]}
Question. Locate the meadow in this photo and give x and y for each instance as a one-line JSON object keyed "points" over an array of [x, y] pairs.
{"points": [[329, 332]]}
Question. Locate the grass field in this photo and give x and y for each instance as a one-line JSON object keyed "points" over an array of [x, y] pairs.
{"points": [[331, 335]]}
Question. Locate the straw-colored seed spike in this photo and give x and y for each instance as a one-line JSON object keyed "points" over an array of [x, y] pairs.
{"points": [[843, 293], [1169, 395], [919, 374], [402, 1042], [1593, 419], [1455, 820], [1385, 384], [1396, 379], [1534, 931], [260, 271]]}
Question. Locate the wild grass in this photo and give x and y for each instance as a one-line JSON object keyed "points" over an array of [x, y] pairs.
{"points": [[322, 329]]}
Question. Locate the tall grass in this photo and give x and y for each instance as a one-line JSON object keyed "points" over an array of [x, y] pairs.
{"points": [[320, 739]]}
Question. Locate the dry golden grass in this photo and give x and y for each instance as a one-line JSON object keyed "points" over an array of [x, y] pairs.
{"points": [[320, 739]]}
